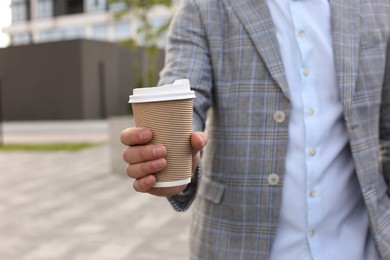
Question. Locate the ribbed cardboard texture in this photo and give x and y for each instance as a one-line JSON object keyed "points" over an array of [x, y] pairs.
{"points": [[171, 124]]}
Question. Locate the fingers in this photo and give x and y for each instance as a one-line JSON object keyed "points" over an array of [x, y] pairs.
{"points": [[139, 170], [198, 141], [137, 154], [144, 184], [136, 136], [167, 192], [144, 160]]}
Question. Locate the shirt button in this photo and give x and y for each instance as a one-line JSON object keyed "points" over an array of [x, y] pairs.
{"points": [[273, 179], [312, 152], [279, 116], [302, 34], [312, 194], [312, 233], [310, 111], [306, 72]]}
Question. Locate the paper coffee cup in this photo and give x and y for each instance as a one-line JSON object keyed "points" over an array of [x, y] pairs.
{"points": [[167, 111]]}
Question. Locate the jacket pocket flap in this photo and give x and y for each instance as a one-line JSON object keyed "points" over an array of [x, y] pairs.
{"points": [[211, 190]]}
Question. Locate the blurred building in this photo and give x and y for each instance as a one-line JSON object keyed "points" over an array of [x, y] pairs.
{"points": [[65, 62], [67, 80], [37, 21]]}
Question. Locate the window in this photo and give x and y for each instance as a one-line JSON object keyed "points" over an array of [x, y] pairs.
{"points": [[21, 38], [72, 33], [122, 30], [96, 5], [116, 6], [20, 10], [45, 8], [100, 32], [47, 35], [61, 34], [74, 6]]}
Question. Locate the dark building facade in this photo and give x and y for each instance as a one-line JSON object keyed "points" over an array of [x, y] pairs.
{"points": [[68, 80]]}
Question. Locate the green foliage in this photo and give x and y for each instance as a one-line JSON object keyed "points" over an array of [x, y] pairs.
{"points": [[149, 35], [50, 147]]}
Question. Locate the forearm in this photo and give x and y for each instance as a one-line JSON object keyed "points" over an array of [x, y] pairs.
{"points": [[187, 56]]}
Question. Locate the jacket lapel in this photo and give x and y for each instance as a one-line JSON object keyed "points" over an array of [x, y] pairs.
{"points": [[346, 37], [257, 20]]}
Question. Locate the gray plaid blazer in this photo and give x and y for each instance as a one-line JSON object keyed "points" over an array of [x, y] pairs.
{"points": [[229, 51]]}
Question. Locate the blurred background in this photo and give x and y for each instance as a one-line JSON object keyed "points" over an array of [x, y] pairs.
{"points": [[67, 68]]}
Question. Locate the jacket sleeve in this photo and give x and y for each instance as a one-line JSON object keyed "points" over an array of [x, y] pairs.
{"points": [[182, 201], [187, 56], [385, 122]]}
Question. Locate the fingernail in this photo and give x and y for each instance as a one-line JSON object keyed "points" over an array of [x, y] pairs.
{"points": [[158, 164], [143, 135], [158, 151]]}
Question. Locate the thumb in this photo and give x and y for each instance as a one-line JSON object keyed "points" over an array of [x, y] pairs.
{"points": [[198, 141]]}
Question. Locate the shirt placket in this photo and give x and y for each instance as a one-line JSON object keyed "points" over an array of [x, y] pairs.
{"points": [[310, 108]]}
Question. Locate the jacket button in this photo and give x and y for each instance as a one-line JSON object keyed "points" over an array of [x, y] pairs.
{"points": [[273, 179], [279, 116]]}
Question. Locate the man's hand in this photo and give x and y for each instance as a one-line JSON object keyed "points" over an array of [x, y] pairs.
{"points": [[146, 160]]}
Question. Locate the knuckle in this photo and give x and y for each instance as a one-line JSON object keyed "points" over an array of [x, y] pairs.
{"points": [[144, 153], [152, 166], [125, 154], [130, 171], [140, 185], [136, 186], [145, 167]]}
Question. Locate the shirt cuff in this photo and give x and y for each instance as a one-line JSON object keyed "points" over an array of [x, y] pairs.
{"points": [[183, 200]]}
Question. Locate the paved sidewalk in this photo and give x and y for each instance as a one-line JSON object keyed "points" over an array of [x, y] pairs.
{"points": [[68, 205], [55, 131]]}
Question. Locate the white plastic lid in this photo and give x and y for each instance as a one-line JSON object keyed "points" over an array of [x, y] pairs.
{"points": [[180, 89]]}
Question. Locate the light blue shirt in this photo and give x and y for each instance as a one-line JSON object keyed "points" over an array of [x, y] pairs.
{"points": [[323, 216]]}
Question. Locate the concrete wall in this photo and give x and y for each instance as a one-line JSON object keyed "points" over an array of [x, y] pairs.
{"points": [[78, 79], [99, 80], [41, 81]]}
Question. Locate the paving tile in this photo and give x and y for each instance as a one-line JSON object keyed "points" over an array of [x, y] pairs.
{"points": [[68, 205]]}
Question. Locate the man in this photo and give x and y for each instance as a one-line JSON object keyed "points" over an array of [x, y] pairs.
{"points": [[297, 161]]}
